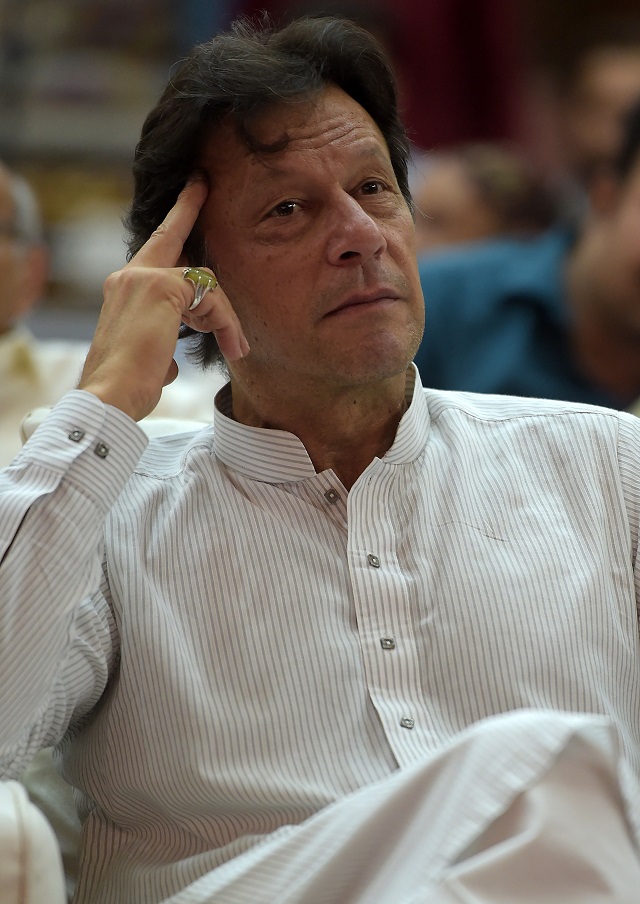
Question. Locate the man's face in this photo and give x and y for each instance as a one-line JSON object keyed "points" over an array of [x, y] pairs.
{"points": [[315, 247]]}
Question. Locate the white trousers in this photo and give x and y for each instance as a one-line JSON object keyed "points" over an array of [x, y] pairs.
{"points": [[522, 808], [30, 864]]}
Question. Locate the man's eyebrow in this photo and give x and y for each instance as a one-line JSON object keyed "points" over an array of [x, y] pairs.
{"points": [[376, 151], [273, 171]]}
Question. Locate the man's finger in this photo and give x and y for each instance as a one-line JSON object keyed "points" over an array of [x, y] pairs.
{"points": [[215, 314], [164, 247]]}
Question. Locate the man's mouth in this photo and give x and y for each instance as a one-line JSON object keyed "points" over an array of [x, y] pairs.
{"points": [[359, 299]]}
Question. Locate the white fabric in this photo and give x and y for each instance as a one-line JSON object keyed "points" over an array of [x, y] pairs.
{"points": [[518, 809], [30, 866], [54, 798], [37, 373], [244, 601]]}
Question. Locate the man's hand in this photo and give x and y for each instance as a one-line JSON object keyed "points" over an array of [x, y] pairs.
{"points": [[131, 356]]}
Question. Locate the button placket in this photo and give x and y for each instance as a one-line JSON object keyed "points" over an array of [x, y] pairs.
{"points": [[392, 668]]}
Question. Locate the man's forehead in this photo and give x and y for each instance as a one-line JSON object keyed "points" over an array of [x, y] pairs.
{"points": [[332, 118]]}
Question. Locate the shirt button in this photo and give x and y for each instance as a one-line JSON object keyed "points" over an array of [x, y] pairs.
{"points": [[101, 450], [407, 722], [388, 643], [332, 496], [76, 435], [374, 561]]}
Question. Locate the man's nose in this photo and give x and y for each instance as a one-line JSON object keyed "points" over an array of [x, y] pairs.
{"points": [[355, 235]]}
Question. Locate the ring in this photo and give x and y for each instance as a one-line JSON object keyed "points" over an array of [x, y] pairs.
{"points": [[203, 282]]}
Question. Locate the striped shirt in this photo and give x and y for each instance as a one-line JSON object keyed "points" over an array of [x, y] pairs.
{"points": [[263, 643]]}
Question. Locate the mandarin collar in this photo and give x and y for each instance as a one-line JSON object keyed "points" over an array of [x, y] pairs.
{"points": [[276, 456]]}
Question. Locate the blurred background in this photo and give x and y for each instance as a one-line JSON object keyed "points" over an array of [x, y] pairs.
{"points": [[77, 78]]}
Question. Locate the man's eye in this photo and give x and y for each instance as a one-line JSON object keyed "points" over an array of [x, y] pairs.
{"points": [[284, 210], [373, 187]]}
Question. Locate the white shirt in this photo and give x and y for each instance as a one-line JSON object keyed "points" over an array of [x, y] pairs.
{"points": [[36, 373], [264, 643]]}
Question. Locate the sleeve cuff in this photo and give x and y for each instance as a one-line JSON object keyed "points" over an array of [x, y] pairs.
{"points": [[93, 445]]}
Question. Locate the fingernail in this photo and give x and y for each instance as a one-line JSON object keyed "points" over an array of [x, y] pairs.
{"points": [[244, 345], [196, 176]]}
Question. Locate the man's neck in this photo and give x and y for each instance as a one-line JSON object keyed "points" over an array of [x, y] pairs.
{"points": [[341, 431]]}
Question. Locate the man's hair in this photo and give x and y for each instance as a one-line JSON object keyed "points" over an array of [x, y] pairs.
{"points": [[236, 76], [629, 153]]}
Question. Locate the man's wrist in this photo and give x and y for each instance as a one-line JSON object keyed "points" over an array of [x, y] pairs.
{"points": [[119, 398]]}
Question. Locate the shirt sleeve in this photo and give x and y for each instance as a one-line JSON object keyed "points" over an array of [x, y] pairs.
{"points": [[57, 641]]}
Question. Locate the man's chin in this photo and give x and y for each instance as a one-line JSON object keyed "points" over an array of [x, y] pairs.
{"points": [[373, 365]]}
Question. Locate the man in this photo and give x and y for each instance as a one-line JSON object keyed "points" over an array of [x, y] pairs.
{"points": [[36, 373], [294, 656], [556, 317]]}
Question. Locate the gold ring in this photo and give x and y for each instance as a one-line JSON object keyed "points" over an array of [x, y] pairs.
{"points": [[203, 282]]}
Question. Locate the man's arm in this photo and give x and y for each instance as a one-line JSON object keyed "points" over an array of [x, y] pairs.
{"points": [[53, 502], [56, 495]]}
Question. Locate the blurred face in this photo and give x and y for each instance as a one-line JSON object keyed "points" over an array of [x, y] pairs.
{"points": [[609, 84], [450, 209], [314, 246], [616, 270]]}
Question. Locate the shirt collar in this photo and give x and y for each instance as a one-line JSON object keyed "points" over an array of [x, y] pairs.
{"points": [[275, 456]]}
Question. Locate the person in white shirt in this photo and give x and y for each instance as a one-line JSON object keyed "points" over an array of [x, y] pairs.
{"points": [[356, 641]]}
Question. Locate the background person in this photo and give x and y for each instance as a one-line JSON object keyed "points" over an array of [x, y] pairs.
{"points": [[555, 317], [594, 83], [475, 192], [32, 373]]}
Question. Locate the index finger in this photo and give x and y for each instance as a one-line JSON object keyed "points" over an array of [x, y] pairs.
{"points": [[164, 246]]}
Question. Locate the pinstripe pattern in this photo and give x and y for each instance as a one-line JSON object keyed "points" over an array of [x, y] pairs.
{"points": [[245, 613]]}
